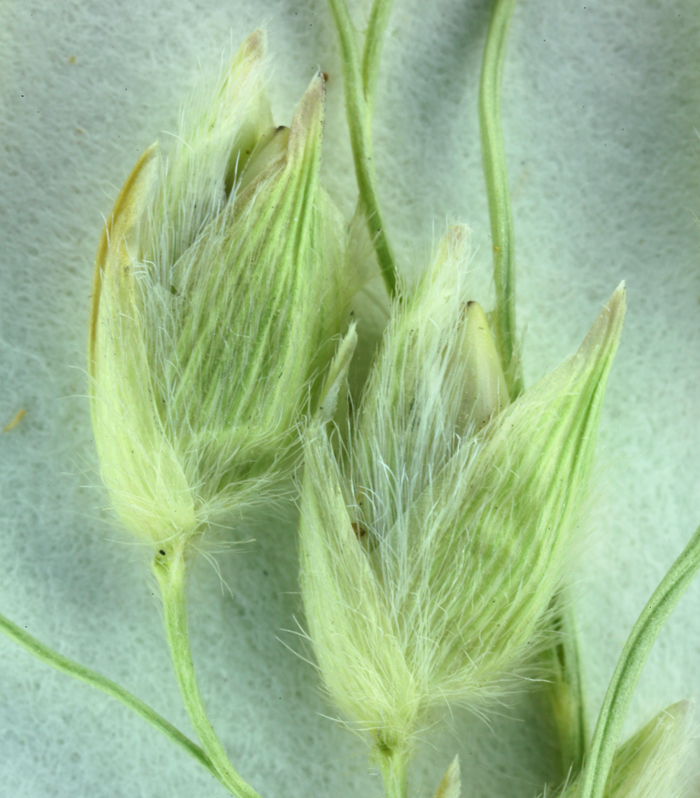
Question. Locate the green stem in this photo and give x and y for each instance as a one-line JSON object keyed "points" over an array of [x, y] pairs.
{"points": [[629, 667], [566, 691], [170, 573], [496, 177], [99, 682], [372, 53], [393, 765], [359, 117]]}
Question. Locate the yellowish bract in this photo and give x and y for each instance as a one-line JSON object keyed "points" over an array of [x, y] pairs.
{"points": [[218, 290]]}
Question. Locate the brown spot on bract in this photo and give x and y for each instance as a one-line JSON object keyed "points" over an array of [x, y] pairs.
{"points": [[358, 529]]}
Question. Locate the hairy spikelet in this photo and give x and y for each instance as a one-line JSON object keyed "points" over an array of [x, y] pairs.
{"points": [[218, 290], [647, 765], [430, 554]]}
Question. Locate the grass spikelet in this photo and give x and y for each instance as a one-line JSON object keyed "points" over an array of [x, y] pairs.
{"points": [[218, 291], [648, 764], [430, 554]]}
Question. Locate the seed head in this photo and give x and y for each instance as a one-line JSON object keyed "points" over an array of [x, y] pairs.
{"points": [[430, 554], [218, 290]]}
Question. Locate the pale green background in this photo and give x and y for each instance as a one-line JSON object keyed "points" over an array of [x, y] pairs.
{"points": [[601, 106]]}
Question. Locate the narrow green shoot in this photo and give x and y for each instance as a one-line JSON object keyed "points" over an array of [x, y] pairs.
{"points": [[77, 671], [372, 53], [566, 690], [392, 765], [496, 177], [358, 108], [630, 665], [169, 569]]}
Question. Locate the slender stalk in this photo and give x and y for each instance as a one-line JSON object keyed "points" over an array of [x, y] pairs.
{"points": [[630, 665], [360, 126], [566, 691], [393, 765], [496, 176], [372, 53], [170, 572], [99, 682]]}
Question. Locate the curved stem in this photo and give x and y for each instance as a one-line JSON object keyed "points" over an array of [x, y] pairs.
{"points": [[629, 667], [372, 53], [99, 682], [496, 176], [170, 573], [360, 127]]}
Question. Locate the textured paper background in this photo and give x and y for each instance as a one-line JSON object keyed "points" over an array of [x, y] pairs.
{"points": [[601, 106]]}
